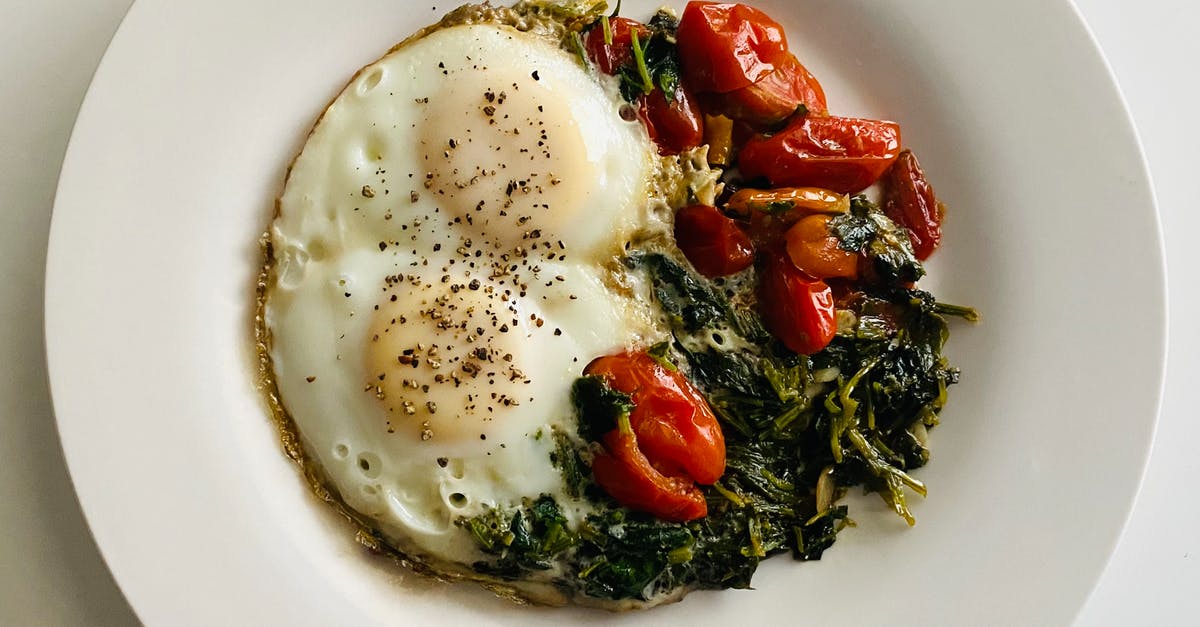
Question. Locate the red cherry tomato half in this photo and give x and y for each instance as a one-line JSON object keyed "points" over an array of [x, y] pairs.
{"points": [[675, 125], [610, 57], [674, 439], [724, 47], [796, 308], [910, 202], [845, 155], [777, 96], [712, 242], [670, 416], [623, 471]]}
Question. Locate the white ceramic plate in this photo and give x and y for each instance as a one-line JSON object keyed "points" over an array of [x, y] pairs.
{"points": [[181, 146]]}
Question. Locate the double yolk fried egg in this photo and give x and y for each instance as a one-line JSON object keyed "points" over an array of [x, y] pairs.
{"points": [[442, 268]]}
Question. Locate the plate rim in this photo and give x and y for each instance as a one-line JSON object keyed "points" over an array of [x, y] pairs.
{"points": [[89, 502]]}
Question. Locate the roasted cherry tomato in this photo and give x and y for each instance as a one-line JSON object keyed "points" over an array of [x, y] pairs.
{"points": [[672, 419], [796, 308], [910, 202], [777, 96], [817, 252], [845, 155], [773, 212], [625, 473], [767, 228], [609, 57], [672, 440], [724, 47], [675, 125], [804, 200], [712, 242]]}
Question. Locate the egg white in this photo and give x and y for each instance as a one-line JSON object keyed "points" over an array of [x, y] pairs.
{"points": [[443, 251]]}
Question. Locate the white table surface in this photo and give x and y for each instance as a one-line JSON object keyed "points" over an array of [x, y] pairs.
{"points": [[50, 570]]}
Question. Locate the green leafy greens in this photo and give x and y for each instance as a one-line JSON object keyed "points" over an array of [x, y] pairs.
{"points": [[654, 63], [800, 430], [866, 228], [599, 407], [528, 539]]}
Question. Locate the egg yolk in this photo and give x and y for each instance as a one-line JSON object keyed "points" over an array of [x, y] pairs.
{"points": [[447, 364], [506, 156]]}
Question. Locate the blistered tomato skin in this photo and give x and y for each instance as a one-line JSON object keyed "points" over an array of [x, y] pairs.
{"points": [[666, 404], [910, 202], [714, 243], [724, 47], [674, 440], [797, 309], [674, 125], [776, 96], [845, 155], [623, 471]]}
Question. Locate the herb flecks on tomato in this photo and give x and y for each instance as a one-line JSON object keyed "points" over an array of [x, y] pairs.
{"points": [[660, 450], [772, 211], [845, 155], [647, 62], [817, 251]]}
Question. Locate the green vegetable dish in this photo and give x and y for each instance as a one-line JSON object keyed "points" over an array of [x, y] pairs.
{"points": [[635, 314], [800, 431], [801, 427]]}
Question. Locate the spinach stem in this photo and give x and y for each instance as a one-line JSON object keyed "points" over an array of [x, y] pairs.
{"points": [[639, 57], [970, 314]]}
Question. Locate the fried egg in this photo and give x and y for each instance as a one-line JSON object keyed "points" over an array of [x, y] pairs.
{"points": [[443, 258]]}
